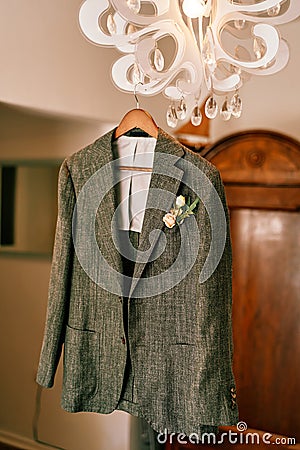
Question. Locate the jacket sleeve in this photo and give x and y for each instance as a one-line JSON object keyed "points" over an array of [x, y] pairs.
{"points": [[221, 280], [217, 287], [59, 286]]}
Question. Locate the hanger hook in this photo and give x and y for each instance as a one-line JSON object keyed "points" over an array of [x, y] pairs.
{"points": [[135, 96]]}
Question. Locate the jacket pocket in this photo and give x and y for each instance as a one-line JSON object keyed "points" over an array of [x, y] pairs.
{"points": [[81, 362]]}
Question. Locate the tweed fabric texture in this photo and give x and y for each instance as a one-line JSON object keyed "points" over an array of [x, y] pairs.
{"points": [[180, 340]]}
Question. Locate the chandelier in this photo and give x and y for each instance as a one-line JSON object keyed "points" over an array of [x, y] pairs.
{"points": [[191, 50]]}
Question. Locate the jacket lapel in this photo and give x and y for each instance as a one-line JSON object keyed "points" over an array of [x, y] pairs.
{"points": [[166, 176], [102, 159]]}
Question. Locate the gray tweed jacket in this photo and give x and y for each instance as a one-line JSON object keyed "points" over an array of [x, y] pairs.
{"points": [[179, 327]]}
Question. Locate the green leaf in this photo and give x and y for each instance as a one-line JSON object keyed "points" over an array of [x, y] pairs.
{"points": [[194, 204]]}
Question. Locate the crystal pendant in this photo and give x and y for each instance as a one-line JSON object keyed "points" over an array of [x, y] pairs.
{"points": [[196, 117], [111, 24], [274, 11], [236, 106], [211, 108], [209, 54], [134, 5], [136, 75], [258, 48], [239, 24], [158, 60], [181, 110], [131, 29], [225, 110], [172, 117]]}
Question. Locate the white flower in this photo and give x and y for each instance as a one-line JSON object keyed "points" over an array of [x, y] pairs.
{"points": [[180, 212], [169, 220], [180, 201]]}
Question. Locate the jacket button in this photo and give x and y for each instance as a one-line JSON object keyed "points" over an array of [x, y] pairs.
{"points": [[123, 340], [120, 299]]}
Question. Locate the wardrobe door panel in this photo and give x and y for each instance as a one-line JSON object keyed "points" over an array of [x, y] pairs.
{"points": [[266, 317]]}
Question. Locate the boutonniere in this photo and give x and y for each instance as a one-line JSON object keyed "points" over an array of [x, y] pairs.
{"points": [[181, 211]]}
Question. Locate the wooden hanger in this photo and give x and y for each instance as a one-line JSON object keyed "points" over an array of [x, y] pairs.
{"points": [[137, 118]]}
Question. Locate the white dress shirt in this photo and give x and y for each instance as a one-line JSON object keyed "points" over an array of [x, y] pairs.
{"points": [[134, 185]]}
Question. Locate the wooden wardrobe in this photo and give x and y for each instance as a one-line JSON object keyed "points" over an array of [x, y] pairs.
{"points": [[261, 173]]}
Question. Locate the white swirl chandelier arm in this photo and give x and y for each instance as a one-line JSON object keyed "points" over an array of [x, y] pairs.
{"points": [[278, 64], [271, 39]]}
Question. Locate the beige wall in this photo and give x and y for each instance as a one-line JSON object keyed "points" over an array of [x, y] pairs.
{"points": [[63, 84]]}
